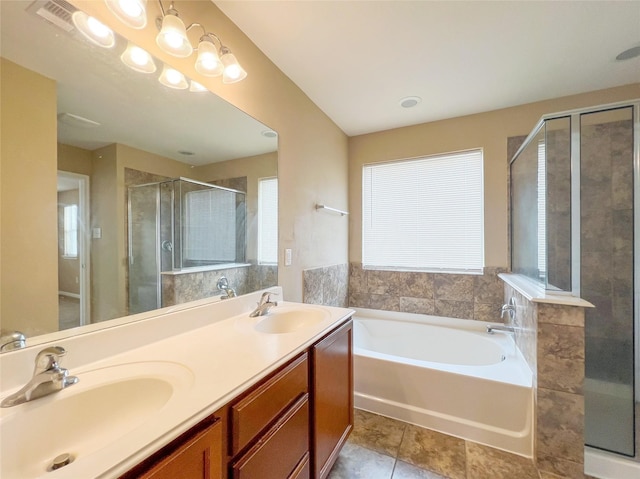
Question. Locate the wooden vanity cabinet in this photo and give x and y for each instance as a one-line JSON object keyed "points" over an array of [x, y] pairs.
{"points": [[291, 425], [332, 397], [196, 454]]}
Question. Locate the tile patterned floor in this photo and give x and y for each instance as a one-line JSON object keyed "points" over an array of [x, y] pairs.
{"points": [[379, 448]]}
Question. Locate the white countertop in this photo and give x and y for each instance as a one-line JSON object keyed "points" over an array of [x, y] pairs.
{"points": [[217, 356]]}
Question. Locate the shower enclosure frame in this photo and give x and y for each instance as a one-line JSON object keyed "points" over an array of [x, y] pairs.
{"points": [[575, 184], [158, 220]]}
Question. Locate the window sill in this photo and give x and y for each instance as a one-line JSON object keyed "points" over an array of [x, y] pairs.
{"points": [[424, 270]]}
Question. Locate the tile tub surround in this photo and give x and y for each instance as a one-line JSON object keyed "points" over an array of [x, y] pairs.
{"points": [[463, 296], [384, 448], [551, 337], [326, 285]]}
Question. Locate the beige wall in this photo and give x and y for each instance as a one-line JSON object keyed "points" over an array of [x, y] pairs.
{"points": [[485, 130], [312, 150], [74, 159], [254, 168], [29, 251]]}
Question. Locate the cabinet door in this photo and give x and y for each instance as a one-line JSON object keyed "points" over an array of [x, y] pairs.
{"points": [[198, 458], [332, 397]]}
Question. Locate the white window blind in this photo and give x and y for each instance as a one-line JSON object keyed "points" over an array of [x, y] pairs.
{"points": [[210, 226], [542, 212], [268, 221], [70, 225], [424, 213]]}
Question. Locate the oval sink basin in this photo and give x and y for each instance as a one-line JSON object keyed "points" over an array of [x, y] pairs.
{"points": [[289, 320], [105, 405]]}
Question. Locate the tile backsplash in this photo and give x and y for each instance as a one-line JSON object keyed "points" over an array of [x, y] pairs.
{"points": [[326, 285], [464, 296]]}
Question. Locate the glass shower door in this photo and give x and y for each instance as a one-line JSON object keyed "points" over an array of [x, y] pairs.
{"points": [[607, 277], [144, 250]]}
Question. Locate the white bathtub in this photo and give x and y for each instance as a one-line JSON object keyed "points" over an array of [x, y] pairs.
{"points": [[444, 374]]}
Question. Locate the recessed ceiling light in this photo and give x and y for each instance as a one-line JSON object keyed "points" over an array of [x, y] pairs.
{"points": [[629, 54], [269, 134], [410, 101]]}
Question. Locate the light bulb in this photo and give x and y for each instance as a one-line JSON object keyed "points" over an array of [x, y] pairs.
{"points": [[233, 72], [138, 59], [173, 37], [208, 63], [94, 30], [197, 87], [130, 12], [173, 78]]}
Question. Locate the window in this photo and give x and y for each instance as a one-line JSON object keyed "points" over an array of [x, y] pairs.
{"points": [[542, 212], [70, 225], [268, 221], [424, 214], [210, 226]]}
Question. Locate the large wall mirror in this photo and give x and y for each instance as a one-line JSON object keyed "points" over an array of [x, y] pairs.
{"points": [[120, 195]]}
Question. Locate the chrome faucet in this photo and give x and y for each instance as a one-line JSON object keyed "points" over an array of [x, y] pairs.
{"points": [[509, 308], [264, 306], [223, 285], [48, 378], [10, 340], [497, 327]]}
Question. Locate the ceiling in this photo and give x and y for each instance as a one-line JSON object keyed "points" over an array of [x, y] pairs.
{"points": [[92, 82], [357, 59]]}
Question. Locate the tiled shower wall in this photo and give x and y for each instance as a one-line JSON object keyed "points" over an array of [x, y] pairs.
{"points": [[464, 296]]}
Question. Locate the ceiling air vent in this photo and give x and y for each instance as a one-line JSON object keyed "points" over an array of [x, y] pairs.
{"points": [[57, 12]]}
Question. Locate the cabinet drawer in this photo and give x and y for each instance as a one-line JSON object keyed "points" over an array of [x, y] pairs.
{"points": [[278, 453], [302, 470], [255, 412]]}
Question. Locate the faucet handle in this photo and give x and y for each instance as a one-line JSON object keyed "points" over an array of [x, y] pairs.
{"points": [[266, 297], [48, 358]]}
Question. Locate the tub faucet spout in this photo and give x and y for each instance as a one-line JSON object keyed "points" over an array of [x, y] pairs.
{"points": [[492, 328]]}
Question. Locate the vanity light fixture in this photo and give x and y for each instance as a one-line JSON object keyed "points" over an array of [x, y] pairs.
{"points": [[233, 72], [172, 38], [172, 78], [130, 12], [212, 60], [138, 59], [208, 62], [94, 30]]}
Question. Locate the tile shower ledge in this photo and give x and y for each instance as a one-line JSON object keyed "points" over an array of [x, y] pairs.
{"points": [[212, 267], [214, 340], [535, 293]]}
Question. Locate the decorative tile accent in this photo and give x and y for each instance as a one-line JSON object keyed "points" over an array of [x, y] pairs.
{"points": [[434, 451], [486, 462], [378, 433]]}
